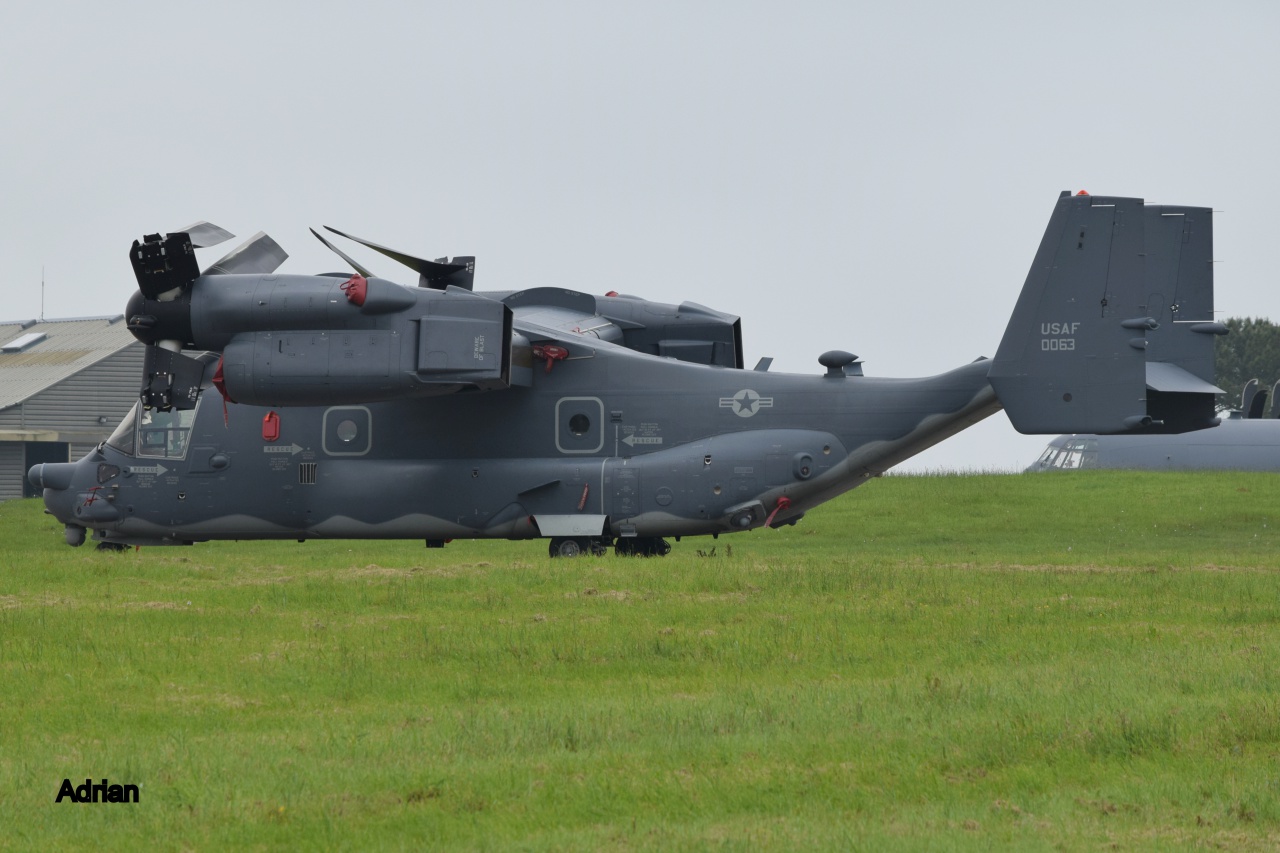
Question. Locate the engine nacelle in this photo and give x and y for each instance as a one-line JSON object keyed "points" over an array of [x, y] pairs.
{"points": [[406, 344]]}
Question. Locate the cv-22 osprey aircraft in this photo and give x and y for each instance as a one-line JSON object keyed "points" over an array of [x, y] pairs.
{"points": [[346, 406]]}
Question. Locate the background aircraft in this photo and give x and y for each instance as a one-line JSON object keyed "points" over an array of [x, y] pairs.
{"points": [[1245, 441]]}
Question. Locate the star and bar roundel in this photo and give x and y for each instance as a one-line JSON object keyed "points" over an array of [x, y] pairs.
{"points": [[746, 403]]}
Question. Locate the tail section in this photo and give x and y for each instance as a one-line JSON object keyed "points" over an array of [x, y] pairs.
{"points": [[1114, 329]]}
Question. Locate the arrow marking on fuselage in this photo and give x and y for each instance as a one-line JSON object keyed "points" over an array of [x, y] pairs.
{"points": [[287, 448], [148, 469], [633, 440]]}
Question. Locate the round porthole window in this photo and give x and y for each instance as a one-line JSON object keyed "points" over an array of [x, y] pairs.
{"points": [[347, 431], [579, 424]]}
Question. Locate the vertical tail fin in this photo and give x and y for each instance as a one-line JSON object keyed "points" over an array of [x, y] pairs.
{"points": [[1114, 329]]}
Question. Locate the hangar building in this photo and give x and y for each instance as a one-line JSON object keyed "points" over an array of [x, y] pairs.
{"points": [[64, 385]]}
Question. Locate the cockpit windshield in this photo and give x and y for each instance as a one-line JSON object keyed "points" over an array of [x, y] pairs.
{"points": [[125, 434], [165, 434], [1076, 452], [149, 432]]}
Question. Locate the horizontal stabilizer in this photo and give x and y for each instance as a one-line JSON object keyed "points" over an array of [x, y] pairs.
{"points": [[1170, 377]]}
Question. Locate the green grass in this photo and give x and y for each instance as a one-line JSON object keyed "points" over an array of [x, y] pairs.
{"points": [[964, 662]]}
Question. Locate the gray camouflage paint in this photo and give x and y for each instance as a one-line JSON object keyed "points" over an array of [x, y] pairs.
{"points": [[648, 428]]}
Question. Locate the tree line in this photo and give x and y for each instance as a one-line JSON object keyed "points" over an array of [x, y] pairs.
{"points": [[1251, 351]]}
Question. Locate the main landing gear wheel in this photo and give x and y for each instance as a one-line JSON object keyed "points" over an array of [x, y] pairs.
{"points": [[642, 546], [566, 547], [575, 547]]}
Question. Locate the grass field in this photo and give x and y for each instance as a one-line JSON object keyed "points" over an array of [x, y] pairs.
{"points": [[1072, 662]]}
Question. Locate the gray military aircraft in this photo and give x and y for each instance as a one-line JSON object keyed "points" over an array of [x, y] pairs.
{"points": [[347, 406], [1245, 441]]}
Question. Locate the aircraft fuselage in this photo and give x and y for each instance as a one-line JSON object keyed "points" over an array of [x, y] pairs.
{"points": [[674, 449]]}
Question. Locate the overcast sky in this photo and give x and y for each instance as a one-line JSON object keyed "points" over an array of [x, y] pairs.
{"points": [[873, 178]]}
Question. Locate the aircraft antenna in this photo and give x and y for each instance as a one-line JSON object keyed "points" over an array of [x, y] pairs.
{"points": [[42, 293]]}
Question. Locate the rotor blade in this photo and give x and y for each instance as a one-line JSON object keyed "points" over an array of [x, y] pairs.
{"points": [[258, 254], [205, 234], [350, 260], [430, 273]]}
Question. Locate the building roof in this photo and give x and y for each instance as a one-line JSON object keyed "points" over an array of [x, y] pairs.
{"points": [[37, 354]]}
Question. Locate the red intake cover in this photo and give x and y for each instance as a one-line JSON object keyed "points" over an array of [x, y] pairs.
{"points": [[356, 288]]}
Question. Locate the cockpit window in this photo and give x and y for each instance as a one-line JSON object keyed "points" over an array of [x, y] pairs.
{"points": [[123, 437], [165, 434], [1074, 453]]}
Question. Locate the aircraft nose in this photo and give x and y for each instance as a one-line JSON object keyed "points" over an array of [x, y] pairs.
{"points": [[51, 475], [59, 499]]}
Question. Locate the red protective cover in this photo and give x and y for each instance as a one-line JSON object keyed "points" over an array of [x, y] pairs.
{"points": [[270, 426]]}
